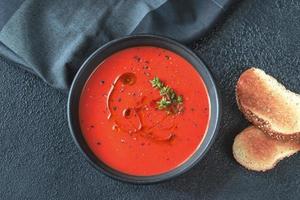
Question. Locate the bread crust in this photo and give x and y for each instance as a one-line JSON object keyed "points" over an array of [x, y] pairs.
{"points": [[255, 78]]}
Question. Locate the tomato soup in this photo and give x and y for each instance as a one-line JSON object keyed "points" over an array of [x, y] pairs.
{"points": [[144, 111]]}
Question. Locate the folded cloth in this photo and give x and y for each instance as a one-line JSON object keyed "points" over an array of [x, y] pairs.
{"points": [[52, 38]]}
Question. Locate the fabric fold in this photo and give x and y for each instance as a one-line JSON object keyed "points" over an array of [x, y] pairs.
{"points": [[53, 38]]}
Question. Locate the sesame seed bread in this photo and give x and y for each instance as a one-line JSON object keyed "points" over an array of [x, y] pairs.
{"points": [[269, 105], [257, 151]]}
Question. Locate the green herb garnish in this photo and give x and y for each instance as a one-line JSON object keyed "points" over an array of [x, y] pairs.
{"points": [[163, 103], [179, 99], [170, 101], [156, 83]]}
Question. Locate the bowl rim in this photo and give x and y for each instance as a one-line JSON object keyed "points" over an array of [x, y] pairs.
{"points": [[127, 42]]}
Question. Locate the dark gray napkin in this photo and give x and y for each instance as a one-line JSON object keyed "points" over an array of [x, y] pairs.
{"points": [[52, 38]]}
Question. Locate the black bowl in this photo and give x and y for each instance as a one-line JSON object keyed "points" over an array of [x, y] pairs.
{"points": [[141, 40]]}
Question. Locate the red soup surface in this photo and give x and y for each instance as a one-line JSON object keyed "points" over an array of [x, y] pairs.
{"points": [[144, 111]]}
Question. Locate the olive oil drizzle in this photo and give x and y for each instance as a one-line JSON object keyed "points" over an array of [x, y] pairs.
{"points": [[129, 79]]}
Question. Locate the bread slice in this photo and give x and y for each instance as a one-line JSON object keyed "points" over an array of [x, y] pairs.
{"points": [[257, 151], [269, 105]]}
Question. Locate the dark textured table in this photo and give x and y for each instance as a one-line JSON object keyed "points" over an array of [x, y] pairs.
{"points": [[39, 160]]}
